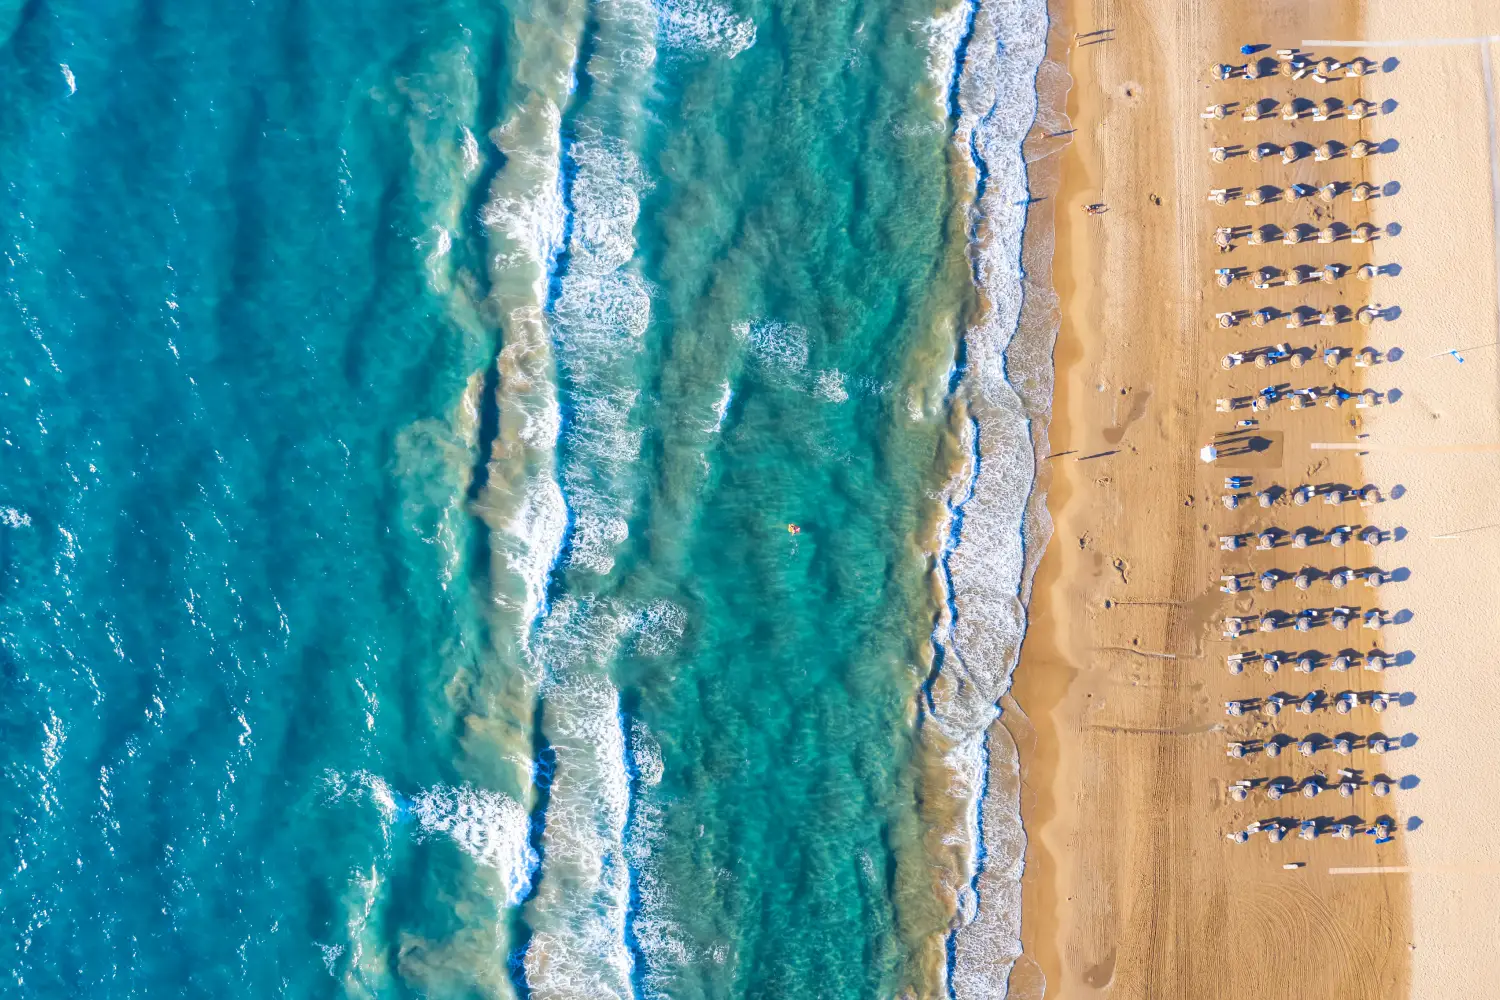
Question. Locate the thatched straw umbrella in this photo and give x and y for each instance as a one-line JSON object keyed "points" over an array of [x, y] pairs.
{"points": [[1218, 153], [1363, 191], [1380, 787], [1341, 663], [1375, 662], [1363, 233], [1346, 702], [1362, 148]]}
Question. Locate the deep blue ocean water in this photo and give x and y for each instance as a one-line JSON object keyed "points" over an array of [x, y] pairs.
{"points": [[473, 490]]}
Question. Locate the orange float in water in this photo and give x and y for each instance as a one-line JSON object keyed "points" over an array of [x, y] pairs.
{"points": [[792, 529]]}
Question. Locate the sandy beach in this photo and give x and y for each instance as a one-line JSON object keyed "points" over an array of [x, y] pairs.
{"points": [[1131, 887]]}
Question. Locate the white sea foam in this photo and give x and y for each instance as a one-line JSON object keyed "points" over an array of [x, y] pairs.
{"points": [[1002, 525], [13, 518], [657, 936], [704, 26], [830, 386], [721, 408], [945, 31], [532, 539], [645, 754], [578, 918], [603, 308], [775, 347], [657, 628], [471, 151], [489, 827]]}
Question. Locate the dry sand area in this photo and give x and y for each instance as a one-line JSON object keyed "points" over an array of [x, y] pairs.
{"points": [[1131, 887]]}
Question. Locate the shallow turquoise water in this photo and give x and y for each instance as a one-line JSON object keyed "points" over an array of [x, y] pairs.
{"points": [[404, 407]]}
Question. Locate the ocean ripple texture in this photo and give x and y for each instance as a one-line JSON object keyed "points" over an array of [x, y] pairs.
{"points": [[515, 499]]}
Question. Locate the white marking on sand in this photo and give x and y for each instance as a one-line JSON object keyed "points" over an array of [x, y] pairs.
{"points": [[1440, 449], [1419, 870], [1489, 106]]}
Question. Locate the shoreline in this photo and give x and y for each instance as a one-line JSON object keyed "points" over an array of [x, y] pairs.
{"points": [[1114, 702]]}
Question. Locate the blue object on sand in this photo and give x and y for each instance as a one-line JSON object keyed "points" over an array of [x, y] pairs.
{"points": [[1246, 50]]}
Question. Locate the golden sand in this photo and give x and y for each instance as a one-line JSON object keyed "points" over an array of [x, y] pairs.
{"points": [[1131, 887]]}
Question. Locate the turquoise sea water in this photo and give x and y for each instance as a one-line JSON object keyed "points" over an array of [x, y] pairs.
{"points": [[404, 408]]}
